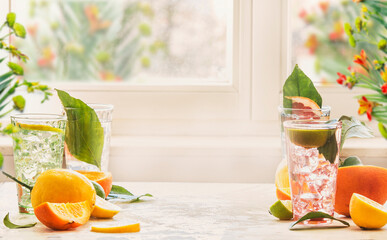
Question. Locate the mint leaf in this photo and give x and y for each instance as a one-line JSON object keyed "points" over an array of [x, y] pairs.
{"points": [[351, 128], [351, 161], [11, 225], [298, 84], [313, 215], [11, 17], [118, 192], [84, 133]]}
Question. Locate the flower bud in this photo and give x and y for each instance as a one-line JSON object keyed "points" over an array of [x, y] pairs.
{"points": [[358, 24], [382, 44]]}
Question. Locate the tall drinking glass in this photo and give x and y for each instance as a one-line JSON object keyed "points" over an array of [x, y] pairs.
{"points": [[37, 146], [104, 113], [313, 158]]}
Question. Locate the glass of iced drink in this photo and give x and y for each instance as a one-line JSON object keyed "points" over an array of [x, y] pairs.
{"points": [[104, 113], [38, 143], [300, 114], [313, 158]]}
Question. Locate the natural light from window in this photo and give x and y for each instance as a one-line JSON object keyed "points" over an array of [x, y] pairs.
{"points": [[148, 42]]}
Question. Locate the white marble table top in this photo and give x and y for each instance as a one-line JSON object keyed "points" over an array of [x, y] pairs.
{"points": [[182, 211]]}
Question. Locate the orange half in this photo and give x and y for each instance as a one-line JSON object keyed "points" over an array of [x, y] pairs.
{"points": [[102, 178], [62, 216]]}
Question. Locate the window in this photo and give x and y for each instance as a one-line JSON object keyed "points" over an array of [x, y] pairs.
{"points": [[237, 95]]}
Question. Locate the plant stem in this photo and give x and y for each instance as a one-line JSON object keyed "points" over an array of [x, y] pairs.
{"points": [[2, 115], [18, 181], [6, 35]]}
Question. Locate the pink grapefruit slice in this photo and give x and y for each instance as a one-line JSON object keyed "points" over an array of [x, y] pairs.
{"points": [[305, 107]]}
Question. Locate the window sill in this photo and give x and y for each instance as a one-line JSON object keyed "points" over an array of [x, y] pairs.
{"points": [[206, 159]]}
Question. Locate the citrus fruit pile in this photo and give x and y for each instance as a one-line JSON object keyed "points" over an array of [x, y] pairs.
{"points": [[64, 199]]}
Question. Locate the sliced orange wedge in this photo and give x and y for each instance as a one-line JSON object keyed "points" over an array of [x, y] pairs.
{"points": [[61, 216], [283, 193], [104, 209], [102, 178], [367, 213]]}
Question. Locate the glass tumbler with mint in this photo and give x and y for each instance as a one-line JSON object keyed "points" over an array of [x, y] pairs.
{"points": [[313, 158], [38, 143]]}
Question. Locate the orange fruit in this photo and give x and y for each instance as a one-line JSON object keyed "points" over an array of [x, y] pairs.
{"points": [[62, 186], [102, 178], [367, 213], [283, 194], [282, 175], [305, 107], [369, 181], [61, 216]]}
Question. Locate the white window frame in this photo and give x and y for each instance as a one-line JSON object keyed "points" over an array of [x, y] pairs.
{"points": [[247, 107]]}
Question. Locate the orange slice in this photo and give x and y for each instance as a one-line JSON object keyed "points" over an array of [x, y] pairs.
{"points": [[104, 209], [102, 178], [61, 216], [117, 229], [283, 193], [367, 213]]}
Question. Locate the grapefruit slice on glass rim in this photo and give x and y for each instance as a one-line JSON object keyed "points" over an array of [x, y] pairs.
{"points": [[305, 107]]}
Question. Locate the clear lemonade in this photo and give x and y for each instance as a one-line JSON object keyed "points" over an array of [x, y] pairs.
{"points": [[37, 148]]}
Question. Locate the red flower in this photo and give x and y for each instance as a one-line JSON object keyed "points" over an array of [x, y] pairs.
{"points": [[384, 88], [366, 107], [324, 6], [357, 1], [342, 78], [302, 13], [361, 59]]}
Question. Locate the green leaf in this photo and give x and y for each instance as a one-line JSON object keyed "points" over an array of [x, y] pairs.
{"points": [[118, 192], [98, 189], [84, 133], [298, 84], [313, 215], [19, 29], [16, 68], [351, 161], [5, 76], [11, 17], [382, 130], [351, 128], [1, 160], [19, 102], [11, 225], [329, 149]]}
